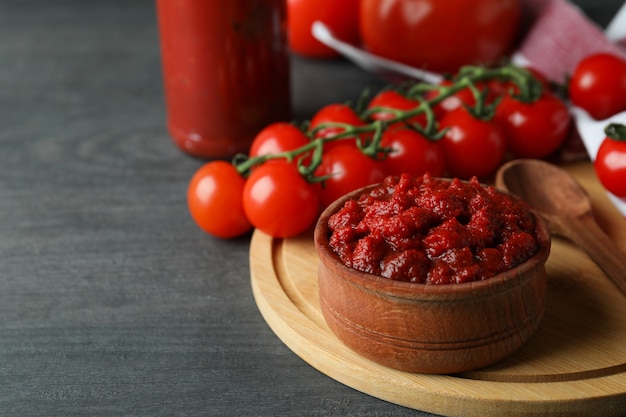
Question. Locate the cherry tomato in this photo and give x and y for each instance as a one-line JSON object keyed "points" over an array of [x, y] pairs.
{"points": [[499, 87], [598, 85], [340, 16], [536, 129], [278, 200], [458, 99], [610, 162], [471, 146], [390, 99], [412, 154], [452, 102], [348, 169], [215, 201], [278, 138], [334, 113], [440, 35]]}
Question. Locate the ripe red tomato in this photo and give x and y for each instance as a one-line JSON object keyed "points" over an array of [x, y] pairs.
{"points": [[440, 35], [610, 163], [215, 201], [536, 129], [277, 138], [471, 146], [342, 17], [412, 154], [278, 200], [334, 113], [348, 169], [598, 85], [391, 99], [464, 97]]}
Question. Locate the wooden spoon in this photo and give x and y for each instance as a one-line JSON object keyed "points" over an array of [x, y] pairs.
{"points": [[566, 207]]}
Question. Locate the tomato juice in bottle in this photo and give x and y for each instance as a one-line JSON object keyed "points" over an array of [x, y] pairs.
{"points": [[226, 72]]}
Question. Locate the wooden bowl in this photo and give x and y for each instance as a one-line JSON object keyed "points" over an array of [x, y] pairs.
{"points": [[430, 328]]}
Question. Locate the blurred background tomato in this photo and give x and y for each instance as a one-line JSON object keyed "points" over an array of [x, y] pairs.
{"points": [[341, 16], [440, 35]]}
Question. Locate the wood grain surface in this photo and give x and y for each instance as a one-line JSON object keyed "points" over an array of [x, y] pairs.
{"points": [[574, 365]]}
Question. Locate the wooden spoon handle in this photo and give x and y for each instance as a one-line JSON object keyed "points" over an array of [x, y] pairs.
{"points": [[585, 232]]}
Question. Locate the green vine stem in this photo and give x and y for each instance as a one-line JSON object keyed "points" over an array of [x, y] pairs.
{"points": [[528, 89]]}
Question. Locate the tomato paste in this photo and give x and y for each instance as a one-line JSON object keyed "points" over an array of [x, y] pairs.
{"points": [[433, 231], [226, 72]]}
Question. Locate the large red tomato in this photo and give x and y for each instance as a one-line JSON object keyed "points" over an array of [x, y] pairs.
{"points": [[342, 17], [440, 35]]}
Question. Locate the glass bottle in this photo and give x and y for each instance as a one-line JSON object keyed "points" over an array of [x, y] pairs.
{"points": [[226, 72]]}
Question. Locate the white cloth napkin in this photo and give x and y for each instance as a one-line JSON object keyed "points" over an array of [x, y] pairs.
{"points": [[559, 36]]}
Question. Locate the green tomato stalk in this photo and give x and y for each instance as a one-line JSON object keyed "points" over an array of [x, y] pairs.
{"points": [[616, 131], [527, 89]]}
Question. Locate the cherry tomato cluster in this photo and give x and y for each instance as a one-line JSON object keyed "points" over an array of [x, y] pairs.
{"points": [[462, 128], [598, 85]]}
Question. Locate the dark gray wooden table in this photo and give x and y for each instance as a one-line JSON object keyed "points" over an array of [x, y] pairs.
{"points": [[112, 302]]}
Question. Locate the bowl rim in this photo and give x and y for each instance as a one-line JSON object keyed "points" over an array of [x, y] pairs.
{"points": [[403, 289]]}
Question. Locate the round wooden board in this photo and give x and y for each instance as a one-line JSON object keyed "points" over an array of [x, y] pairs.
{"points": [[575, 365]]}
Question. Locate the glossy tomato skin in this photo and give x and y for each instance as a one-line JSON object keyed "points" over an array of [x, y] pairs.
{"points": [[411, 153], [342, 17], [464, 97], [348, 169], [536, 129], [391, 99], [278, 200], [471, 146], [277, 138], [335, 113], [598, 85], [215, 200], [439, 35], [610, 166]]}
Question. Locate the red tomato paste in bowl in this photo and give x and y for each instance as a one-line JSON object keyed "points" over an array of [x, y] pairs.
{"points": [[433, 231]]}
